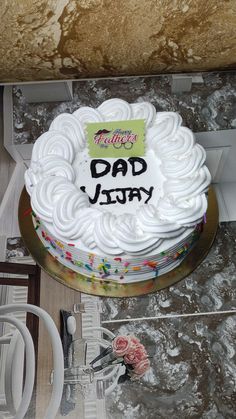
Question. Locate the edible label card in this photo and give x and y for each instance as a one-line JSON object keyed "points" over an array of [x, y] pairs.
{"points": [[116, 138]]}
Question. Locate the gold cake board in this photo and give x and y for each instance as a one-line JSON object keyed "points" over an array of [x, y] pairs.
{"points": [[106, 288]]}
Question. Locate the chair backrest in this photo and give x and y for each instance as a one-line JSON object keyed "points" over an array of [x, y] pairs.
{"points": [[58, 357], [14, 372], [31, 278], [30, 368], [25, 275]]}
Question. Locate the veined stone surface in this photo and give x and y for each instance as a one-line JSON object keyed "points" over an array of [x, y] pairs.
{"points": [[210, 105], [211, 287], [193, 368], [46, 40], [192, 372]]}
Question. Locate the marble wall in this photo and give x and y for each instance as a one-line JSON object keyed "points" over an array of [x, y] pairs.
{"points": [[62, 39], [211, 105]]}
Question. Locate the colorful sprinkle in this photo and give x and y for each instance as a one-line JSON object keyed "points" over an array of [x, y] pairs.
{"points": [[69, 254], [27, 212], [80, 264], [136, 268], [126, 264], [36, 227], [118, 259], [70, 244], [152, 264], [105, 270], [107, 265], [88, 267], [59, 244]]}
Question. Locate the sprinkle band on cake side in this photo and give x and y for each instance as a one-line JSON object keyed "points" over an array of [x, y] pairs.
{"points": [[117, 268]]}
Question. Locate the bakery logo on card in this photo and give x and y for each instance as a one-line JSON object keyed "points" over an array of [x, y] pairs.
{"points": [[116, 138]]}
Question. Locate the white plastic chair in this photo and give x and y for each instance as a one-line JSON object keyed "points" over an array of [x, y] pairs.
{"points": [[30, 368], [14, 370], [58, 360]]}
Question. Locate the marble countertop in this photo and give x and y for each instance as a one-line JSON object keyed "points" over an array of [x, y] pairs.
{"points": [[210, 105], [193, 365]]}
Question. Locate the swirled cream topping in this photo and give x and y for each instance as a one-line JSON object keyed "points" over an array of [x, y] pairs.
{"points": [[176, 165]]}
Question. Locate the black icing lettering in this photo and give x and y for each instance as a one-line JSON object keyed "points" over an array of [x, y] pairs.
{"points": [[122, 199], [133, 161], [96, 195], [148, 192], [135, 193], [108, 192], [119, 165], [94, 169], [122, 195]]}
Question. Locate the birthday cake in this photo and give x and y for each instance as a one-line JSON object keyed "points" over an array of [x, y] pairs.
{"points": [[118, 192]]}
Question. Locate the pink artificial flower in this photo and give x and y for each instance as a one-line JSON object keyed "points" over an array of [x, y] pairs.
{"points": [[141, 367], [135, 355], [121, 345], [135, 341]]}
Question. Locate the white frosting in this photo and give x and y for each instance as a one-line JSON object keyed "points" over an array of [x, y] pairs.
{"points": [[149, 221], [53, 142], [87, 114], [145, 111], [66, 213], [51, 165], [81, 167], [115, 110], [70, 126], [46, 194], [54, 185]]}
